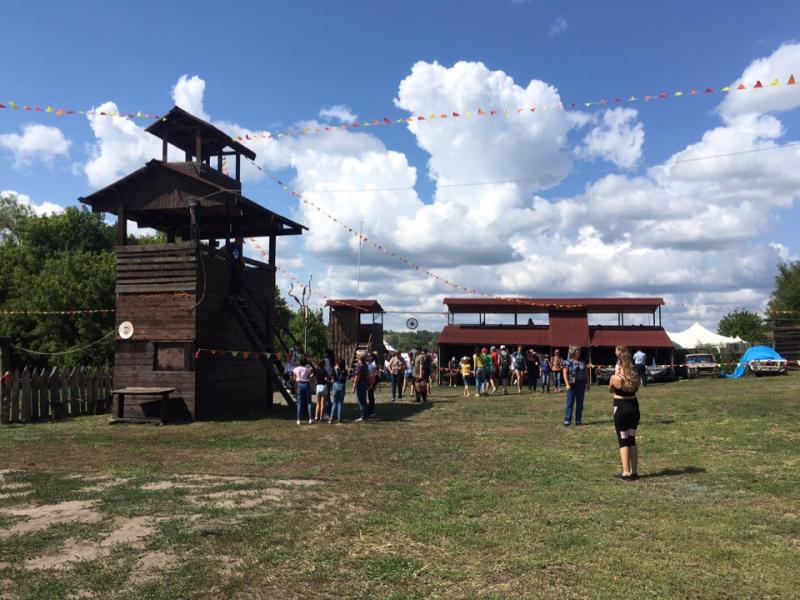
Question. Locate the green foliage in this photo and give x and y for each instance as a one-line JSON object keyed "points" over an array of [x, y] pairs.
{"points": [[405, 340], [316, 329], [58, 262], [744, 323], [785, 300], [11, 211]]}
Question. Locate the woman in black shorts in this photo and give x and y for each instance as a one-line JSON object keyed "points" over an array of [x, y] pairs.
{"points": [[624, 385]]}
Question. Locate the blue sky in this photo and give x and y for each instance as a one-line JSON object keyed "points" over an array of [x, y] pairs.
{"points": [[272, 64]]}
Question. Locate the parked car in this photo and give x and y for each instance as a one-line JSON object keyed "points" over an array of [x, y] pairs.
{"points": [[604, 374], [701, 365], [767, 367], [661, 374]]}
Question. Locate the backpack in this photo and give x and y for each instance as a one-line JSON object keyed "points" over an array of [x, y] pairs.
{"points": [[488, 363], [505, 359]]}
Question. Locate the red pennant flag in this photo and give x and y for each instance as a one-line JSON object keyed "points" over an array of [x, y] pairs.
{"points": [[2, 105], [617, 100], [197, 354], [455, 114], [386, 121], [420, 118], [6, 378], [709, 90], [533, 109], [493, 113], [663, 95], [791, 80], [758, 84]]}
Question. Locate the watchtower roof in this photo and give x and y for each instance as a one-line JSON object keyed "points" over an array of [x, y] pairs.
{"points": [[180, 129], [362, 306]]}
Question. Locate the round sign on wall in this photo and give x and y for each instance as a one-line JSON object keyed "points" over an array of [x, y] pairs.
{"points": [[412, 323], [126, 330]]}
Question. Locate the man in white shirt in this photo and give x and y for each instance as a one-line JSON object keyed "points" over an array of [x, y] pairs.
{"points": [[639, 361]]}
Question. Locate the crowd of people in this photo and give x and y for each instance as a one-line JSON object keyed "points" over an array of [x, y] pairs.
{"points": [[320, 386]]}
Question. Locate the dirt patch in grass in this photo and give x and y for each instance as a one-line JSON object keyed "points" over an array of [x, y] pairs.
{"points": [[38, 518], [299, 482], [230, 499], [126, 531]]}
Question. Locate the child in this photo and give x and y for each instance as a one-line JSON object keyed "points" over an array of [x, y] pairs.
{"points": [[322, 390], [338, 385], [546, 374], [421, 388], [466, 371]]}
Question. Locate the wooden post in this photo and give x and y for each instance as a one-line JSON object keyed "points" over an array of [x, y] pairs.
{"points": [[238, 166], [198, 147], [5, 383], [26, 397], [269, 312], [122, 225], [164, 146]]}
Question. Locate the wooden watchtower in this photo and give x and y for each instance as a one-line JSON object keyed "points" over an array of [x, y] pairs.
{"points": [[186, 329], [355, 325]]}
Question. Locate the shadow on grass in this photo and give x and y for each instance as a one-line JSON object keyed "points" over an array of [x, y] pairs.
{"points": [[673, 472]]}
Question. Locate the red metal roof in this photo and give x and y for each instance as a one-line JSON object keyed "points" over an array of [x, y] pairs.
{"points": [[367, 306], [476, 335], [631, 336], [543, 305], [569, 328]]}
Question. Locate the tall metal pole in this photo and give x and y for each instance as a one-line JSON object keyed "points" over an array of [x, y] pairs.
{"points": [[358, 273]]}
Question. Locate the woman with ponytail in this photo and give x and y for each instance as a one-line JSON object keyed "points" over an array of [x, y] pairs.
{"points": [[624, 385]]}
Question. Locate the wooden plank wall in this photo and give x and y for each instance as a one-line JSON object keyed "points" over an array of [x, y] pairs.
{"points": [[156, 292], [343, 333], [787, 339], [230, 386], [41, 395]]}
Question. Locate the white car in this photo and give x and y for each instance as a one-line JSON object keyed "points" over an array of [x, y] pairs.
{"points": [[768, 367]]}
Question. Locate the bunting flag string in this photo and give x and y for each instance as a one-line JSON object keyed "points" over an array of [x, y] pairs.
{"points": [[767, 83], [243, 354], [20, 313]]}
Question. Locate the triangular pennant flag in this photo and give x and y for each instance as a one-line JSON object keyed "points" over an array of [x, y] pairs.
{"points": [[12, 104], [431, 116], [741, 86], [775, 82], [632, 99], [245, 355], [726, 89], [234, 353], [493, 113], [678, 94], [480, 112], [386, 121], [197, 354], [2, 105], [648, 98], [420, 118], [758, 84], [693, 93], [791, 80], [709, 90], [268, 354], [663, 95], [617, 100], [443, 116]]}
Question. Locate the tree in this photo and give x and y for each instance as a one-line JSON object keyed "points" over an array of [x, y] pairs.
{"points": [[11, 211], [405, 340], [52, 263], [785, 300], [316, 328], [744, 323]]}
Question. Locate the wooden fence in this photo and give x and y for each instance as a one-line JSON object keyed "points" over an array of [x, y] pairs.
{"points": [[54, 394]]}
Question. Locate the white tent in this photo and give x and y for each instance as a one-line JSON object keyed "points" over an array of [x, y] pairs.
{"points": [[389, 347], [697, 336]]}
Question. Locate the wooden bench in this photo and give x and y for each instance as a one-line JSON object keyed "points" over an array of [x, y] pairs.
{"points": [[140, 391]]}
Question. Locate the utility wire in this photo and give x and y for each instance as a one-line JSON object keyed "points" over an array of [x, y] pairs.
{"points": [[70, 351]]}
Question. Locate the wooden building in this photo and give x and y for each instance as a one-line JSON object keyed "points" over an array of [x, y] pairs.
{"points": [[786, 339], [355, 325], [175, 298], [568, 324]]}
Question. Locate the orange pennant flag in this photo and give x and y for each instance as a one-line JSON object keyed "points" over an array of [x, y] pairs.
{"points": [[741, 86], [791, 80]]}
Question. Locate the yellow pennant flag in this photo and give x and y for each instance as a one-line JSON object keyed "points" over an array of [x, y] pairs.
{"points": [[775, 82], [726, 89]]}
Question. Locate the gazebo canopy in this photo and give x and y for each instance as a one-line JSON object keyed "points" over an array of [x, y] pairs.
{"points": [[697, 335]]}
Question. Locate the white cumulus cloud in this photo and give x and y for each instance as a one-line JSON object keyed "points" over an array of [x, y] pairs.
{"points": [[36, 143], [340, 112], [618, 137]]}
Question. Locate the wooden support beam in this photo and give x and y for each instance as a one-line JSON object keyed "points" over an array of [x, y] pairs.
{"points": [[198, 147], [238, 166], [122, 225], [164, 151]]}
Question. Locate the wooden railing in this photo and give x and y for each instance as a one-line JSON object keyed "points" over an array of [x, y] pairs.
{"points": [[54, 394]]}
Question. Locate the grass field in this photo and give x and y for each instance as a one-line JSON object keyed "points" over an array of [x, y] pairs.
{"points": [[462, 498]]}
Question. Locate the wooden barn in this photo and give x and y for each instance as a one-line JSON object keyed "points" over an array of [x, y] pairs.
{"points": [[187, 314], [355, 325]]}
